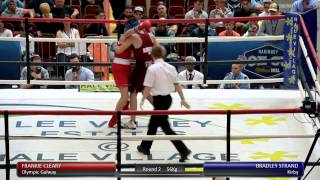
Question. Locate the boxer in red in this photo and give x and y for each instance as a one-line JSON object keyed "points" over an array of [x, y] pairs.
{"points": [[142, 42]]}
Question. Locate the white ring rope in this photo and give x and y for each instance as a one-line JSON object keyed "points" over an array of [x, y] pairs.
{"points": [[111, 82], [160, 40], [312, 72], [168, 137]]}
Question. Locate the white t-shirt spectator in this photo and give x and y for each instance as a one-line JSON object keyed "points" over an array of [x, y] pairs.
{"points": [[6, 33], [192, 14]]}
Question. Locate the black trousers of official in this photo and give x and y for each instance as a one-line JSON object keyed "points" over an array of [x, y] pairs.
{"points": [[162, 103]]}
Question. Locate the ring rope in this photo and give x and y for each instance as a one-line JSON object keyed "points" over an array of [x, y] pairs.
{"points": [[167, 137], [111, 82], [160, 40]]}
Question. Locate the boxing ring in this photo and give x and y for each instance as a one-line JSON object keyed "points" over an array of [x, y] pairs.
{"points": [[45, 125]]}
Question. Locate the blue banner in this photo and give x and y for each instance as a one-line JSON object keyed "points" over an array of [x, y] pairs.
{"points": [[291, 39], [254, 169], [246, 50], [10, 51]]}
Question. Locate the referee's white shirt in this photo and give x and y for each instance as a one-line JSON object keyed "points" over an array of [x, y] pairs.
{"points": [[161, 77], [195, 75]]}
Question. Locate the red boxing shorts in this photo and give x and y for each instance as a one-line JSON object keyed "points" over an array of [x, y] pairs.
{"points": [[121, 70]]}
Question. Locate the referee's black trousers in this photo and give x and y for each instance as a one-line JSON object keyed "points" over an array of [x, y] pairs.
{"points": [[162, 103]]}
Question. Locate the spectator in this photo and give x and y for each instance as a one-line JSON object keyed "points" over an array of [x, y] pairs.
{"points": [[46, 27], [229, 30], [190, 74], [273, 27], [300, 6], [253, 30], [162, 13], [4, 32], [68, 48], [197, 11], [60, 10], [138, 12], [77, 72], [235, 74], [35, 5], [233, 4], [37, 73], [245, 27], [221, 11], [14, 11], [200, 31], [257, 5], [5, 4], [266, 5], [163, 30], [23, 43], [244, 11], [126, 15], [98, 29]]}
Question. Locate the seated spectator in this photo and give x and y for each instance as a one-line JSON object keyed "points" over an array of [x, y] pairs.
{"points": [[77, 73], [37, 73], [266, 5], [190, 74], [35, 5], [233, 4], [195, 13], [221, 11], [229, 30], [85, 3], [23, 43], [138, 12], [235, 74], [245, 26], [257, 5], [244, 11], [253, 30], [46, 27], [163, 30], [5, 4], [14, 11], [200, 31], [60, 10], [300, 6], [162, 13], [126, 15], [66, 48], [273, 27], [98, 29], [4, 32]]}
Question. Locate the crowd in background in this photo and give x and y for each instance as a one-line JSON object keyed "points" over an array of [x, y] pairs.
{"points": [[162, 10]]}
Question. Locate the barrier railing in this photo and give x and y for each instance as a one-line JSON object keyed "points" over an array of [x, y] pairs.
{"points": [[119, 137]]}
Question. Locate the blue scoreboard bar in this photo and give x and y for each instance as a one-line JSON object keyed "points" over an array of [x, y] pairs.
{"points": [[254, 169]]}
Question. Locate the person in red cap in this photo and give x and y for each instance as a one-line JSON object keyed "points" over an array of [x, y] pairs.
{"points": [[142, 42]]}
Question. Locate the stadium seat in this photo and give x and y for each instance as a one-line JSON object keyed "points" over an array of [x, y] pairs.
{"points": [[175, 3], [152, 11], [75, 2], [173, 10], [91, 9], [47, 50], [139, 3], [154, 2]]}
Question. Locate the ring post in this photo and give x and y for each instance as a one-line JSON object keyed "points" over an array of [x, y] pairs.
{"points": [[7, 143], [119, 143], [228, 136], [26, 29], [205, 64], [311, 149]]}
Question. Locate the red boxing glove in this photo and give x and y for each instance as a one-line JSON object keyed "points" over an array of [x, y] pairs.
{"points": [[145, 25]]}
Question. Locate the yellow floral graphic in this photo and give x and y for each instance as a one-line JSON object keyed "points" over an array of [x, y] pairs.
{"points": [[267, 120], [252, 141], [228, 107], [276, 156]]}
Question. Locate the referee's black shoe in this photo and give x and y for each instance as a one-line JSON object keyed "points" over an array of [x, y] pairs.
{"points": [[143, 151], [184, 156]]}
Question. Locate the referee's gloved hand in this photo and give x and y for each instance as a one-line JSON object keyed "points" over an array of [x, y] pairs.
{"points": [[185, 104]]}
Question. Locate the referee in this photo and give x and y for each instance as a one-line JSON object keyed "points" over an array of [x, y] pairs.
{"points": [[160, 80]]}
